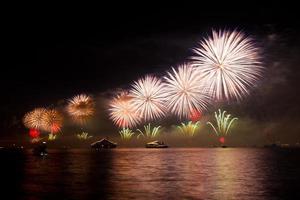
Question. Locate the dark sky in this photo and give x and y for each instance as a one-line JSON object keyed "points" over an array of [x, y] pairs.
{"points": [[55, 54]]}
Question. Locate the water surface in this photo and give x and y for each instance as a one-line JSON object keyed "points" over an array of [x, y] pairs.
{"points": [[174, 173]]}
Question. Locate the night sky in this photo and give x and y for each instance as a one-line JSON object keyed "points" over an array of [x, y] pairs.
{"points": [[52, 55]]}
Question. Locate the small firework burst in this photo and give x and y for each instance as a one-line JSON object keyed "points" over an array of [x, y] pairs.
{"points": [[81, 108], [84, 136], [195, 115], [34, 133], [223, 121], [122, 112], [52, 136], [126, 134], [149, 132], [189, 129]]}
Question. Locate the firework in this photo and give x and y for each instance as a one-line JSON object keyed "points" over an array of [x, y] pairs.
{"points": [[195, 115], [122, 111], [35, 119], [81, 108], [149, 132], [149, 98], [126, 134], [222, 140], [189, 129], [229, 64], [184, 91], [224, 123], [34, 133], [53, 121], [84, 136], [52, 136]]}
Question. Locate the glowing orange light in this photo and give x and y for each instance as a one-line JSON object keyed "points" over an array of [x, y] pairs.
{"points": [[55, 128]]}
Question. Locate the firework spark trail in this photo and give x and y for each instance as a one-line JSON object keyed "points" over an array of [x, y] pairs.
{"points": [[229, 64], [149, 98], [84, 136], [81, 108], [189, 129], [150, 132], [122, 111], [184, 91], [126, 134], [224, 123]]}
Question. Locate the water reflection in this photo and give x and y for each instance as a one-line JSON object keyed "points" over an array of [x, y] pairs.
{"points": [[236, 174], [155, 174]]}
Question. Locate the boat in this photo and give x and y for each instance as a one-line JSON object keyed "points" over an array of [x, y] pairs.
{"points": [[273, 145], [40, 149], [103, 144], [156, 144]]}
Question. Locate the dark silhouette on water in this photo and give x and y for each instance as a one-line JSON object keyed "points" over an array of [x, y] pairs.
{"points": [[40, 149], [103, 144], [156, 144]]}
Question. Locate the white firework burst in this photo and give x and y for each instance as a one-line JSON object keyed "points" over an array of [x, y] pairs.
{"points": [[149, 97], [229, 64], [122, 111], [184, 91]]}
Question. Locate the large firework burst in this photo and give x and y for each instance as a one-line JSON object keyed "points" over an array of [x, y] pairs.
{"points": [[53, 121], [122, 111], [81, 108], [184, 91], [229, 63], [149, 97], [35, 119]]}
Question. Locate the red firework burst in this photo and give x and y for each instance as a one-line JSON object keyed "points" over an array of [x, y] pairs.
{"points": [[34, 133]]}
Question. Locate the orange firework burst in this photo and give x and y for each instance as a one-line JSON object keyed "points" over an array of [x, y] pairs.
{"points": [[53, 121], [35, 119], [81, 108], [122, 111]]}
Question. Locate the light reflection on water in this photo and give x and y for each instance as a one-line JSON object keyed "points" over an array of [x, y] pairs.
{"points": [[213, 173]]}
